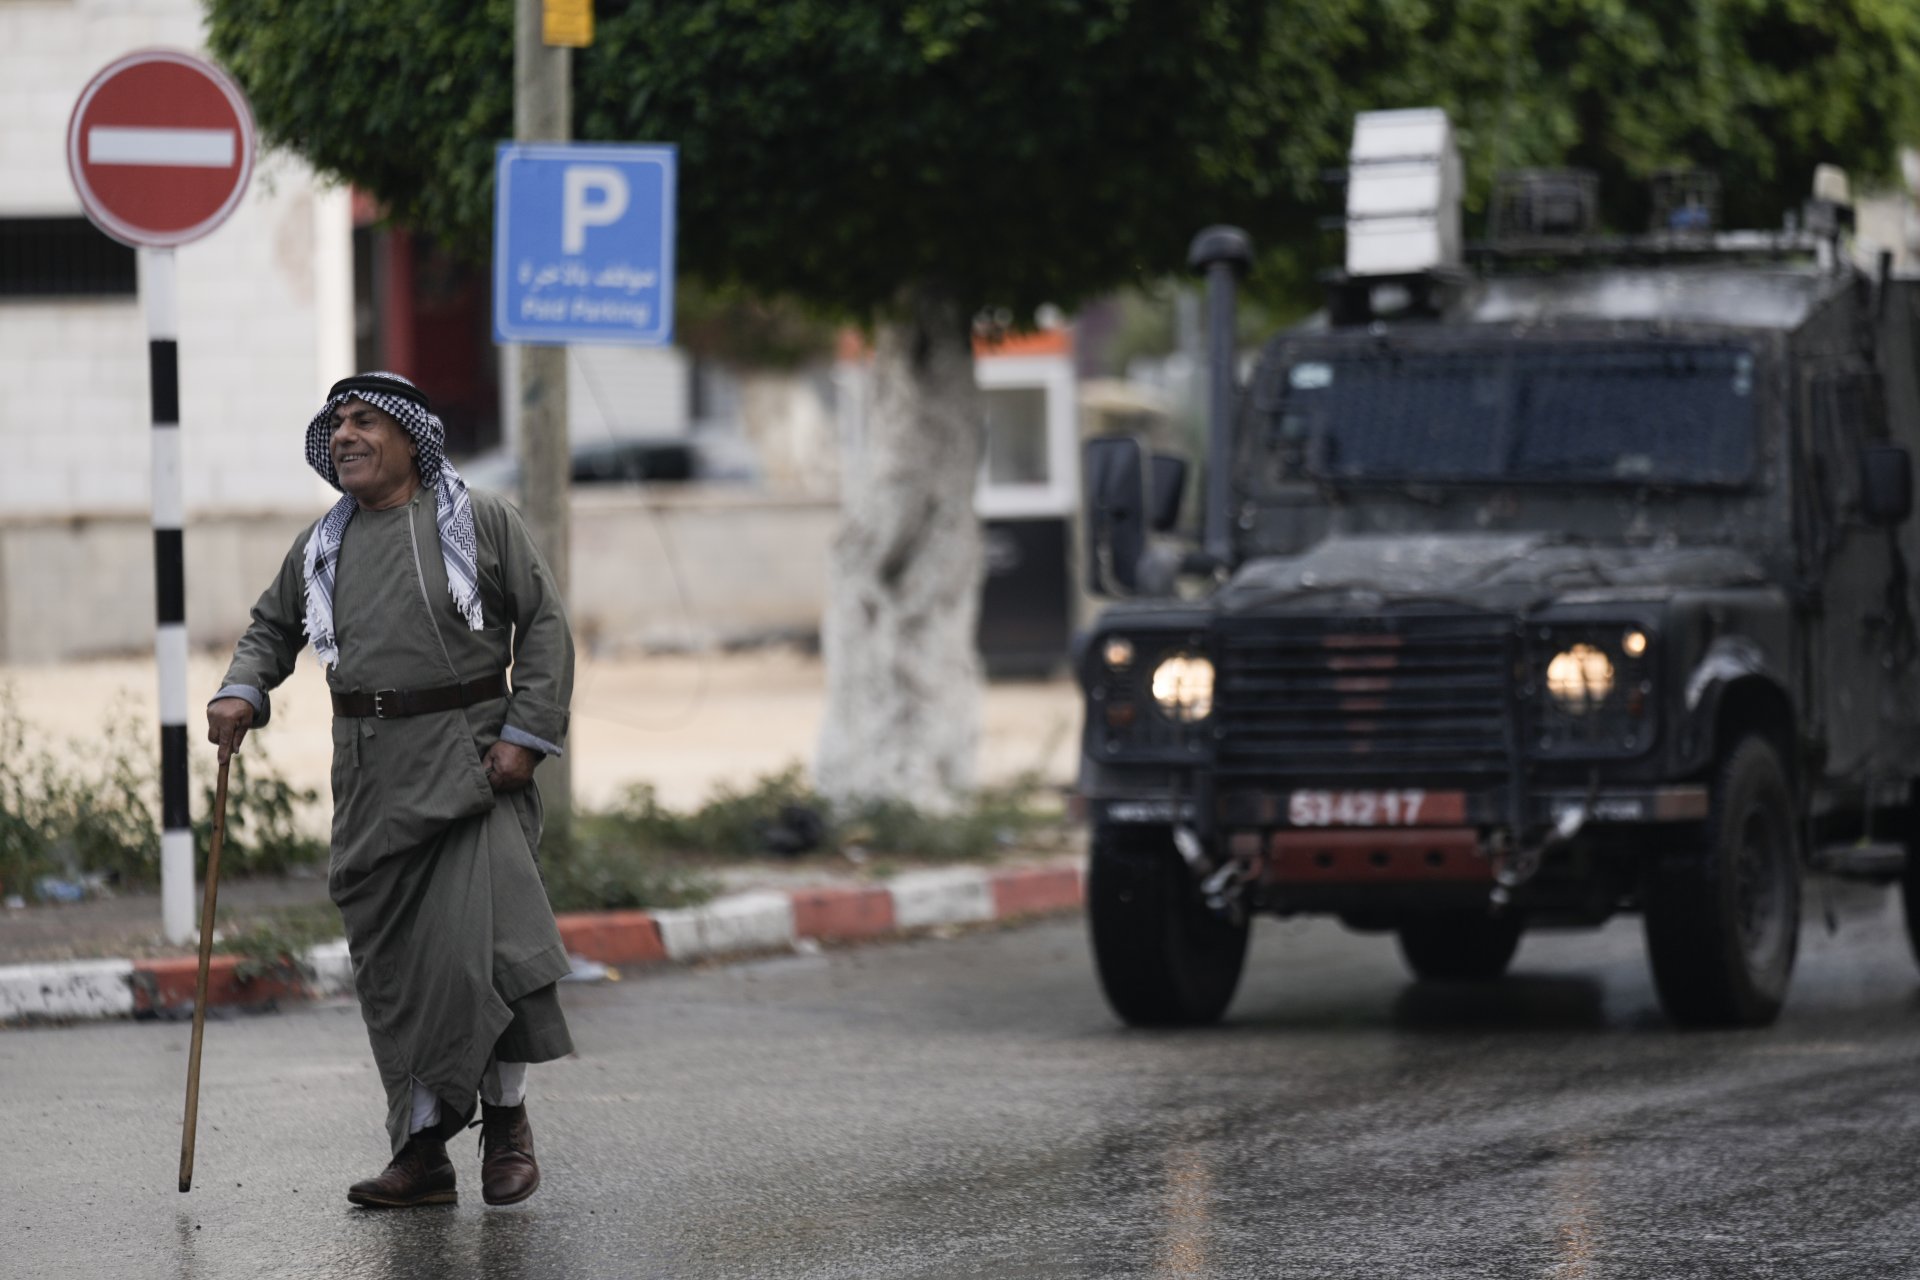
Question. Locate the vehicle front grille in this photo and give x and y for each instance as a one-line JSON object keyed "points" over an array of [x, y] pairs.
{"points": [[1379, 697]]}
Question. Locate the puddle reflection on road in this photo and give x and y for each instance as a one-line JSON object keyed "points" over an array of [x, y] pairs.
{"points": [[1187, 1210]]}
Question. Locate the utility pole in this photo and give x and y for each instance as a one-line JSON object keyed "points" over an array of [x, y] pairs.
{"points": [[543, 112]]}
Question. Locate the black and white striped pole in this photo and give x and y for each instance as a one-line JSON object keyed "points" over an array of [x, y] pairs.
{"points": [[160, 147], [160, 295]]}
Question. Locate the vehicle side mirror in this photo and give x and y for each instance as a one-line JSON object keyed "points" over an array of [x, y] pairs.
{"points": [[1116, 504], [1886, 484], [1168, 486]]}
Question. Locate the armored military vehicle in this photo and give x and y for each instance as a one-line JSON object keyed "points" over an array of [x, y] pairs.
{"points": [[1552, 577]]}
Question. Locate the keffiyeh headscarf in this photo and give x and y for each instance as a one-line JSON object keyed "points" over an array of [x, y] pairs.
{"points": [[406, 404]]}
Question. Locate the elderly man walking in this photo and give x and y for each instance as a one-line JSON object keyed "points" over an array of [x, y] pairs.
{"points": [[417, 596]]}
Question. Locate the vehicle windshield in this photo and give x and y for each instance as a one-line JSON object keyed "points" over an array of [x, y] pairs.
{"points": [[1654, 413]]}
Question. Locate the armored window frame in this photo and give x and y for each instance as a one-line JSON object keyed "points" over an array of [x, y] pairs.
{"points": [[1273, 458], [1844, 410]]}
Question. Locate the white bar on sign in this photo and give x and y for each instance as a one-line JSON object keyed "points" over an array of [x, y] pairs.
{"points": [[183, 148]]}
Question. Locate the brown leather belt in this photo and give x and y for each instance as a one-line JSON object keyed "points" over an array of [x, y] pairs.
{"points": [[392, 704]]}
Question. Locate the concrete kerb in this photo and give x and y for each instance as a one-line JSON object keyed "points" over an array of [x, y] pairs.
{"points": [[745, 922], [737, 925], [332, 969], [950, 895], [66, 990]]}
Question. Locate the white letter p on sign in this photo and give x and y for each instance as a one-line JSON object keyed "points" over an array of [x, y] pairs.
{"points": [[595, 196]]}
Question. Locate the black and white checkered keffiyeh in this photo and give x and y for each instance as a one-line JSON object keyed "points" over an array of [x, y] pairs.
{"points": [[407, 405]]}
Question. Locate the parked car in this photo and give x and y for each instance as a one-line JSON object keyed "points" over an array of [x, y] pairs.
{"points": [[712, 457]]}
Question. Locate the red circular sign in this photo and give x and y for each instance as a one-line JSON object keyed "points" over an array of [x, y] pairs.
{"points": [[160, 148]]}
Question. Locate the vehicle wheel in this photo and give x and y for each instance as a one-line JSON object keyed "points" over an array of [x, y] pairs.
{"points": [[1910, 896], [1469, 946], [1723, 925], [1164, 958]]}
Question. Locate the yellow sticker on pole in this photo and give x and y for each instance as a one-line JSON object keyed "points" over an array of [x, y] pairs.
{"points": [[567, 23]]}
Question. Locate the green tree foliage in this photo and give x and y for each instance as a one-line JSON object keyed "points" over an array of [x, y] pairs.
{"points": [[1012, 152], [1759, 91]]}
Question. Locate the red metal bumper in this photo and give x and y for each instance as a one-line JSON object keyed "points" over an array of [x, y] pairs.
{"points": [[1377, 855]]}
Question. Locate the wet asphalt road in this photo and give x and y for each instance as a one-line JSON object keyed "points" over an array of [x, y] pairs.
{"points": [[966, 1107]]}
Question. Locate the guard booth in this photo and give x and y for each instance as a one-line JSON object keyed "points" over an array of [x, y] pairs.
{"points": [[1027, 499]]}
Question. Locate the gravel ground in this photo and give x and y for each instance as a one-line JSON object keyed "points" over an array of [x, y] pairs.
{"points": [[685, 724]]}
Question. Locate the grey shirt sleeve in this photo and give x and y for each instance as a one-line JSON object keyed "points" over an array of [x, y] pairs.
{"points": [[273, 639], [256, 697], [521, 738], [537, 713]]}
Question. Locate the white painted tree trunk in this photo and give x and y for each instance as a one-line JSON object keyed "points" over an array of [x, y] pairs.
{"points": [[903, 678]]}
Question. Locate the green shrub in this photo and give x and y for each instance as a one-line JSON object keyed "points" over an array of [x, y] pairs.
{"points": [[263, 834], [731, 823], [92, 809], [993, 819], [277, 945], [736, 822], [93, 815], [109, 806], [777, 814], [601, 869]]}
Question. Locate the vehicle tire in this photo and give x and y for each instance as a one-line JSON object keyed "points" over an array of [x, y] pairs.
{"points": [[1459, 946], [1910, 896], [1723, 925], [1164, 958]]}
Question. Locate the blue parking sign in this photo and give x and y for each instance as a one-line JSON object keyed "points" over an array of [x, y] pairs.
{"points": [[583, 243]]}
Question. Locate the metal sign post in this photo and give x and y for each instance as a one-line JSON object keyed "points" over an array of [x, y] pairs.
{"points": [[161, 300], [160, 148], [582, 252]]}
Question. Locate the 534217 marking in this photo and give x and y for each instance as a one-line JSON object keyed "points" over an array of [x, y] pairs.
{"points": [[1356, 808]]}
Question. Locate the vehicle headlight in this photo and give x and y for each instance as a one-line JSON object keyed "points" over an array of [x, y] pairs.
{"points": [[1580, 678], [1183, 687]]}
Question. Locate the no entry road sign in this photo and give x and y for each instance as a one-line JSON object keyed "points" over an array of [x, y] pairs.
{"points": [[583, 243], [160, 148]]}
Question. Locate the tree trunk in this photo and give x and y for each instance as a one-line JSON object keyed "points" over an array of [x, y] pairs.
{"points": [[903, 679]]}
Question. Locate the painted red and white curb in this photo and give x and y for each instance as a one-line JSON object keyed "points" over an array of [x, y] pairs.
{"points": [[743, 924]]}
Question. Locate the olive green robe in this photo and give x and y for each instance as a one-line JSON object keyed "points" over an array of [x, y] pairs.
{"points": [[454, 946]]}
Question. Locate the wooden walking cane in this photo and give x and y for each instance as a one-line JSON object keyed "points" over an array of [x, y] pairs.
{"points": [[200, 986]]}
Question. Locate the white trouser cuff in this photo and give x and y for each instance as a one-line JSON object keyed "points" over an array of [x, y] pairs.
{"points": [[426, 1108], [504, 1084]]}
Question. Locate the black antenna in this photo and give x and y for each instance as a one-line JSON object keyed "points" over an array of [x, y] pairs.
{"points": [[1510, 91]]}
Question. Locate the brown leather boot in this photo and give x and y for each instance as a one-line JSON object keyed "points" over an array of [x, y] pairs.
{"points": [[508, 1173], [420, 1174]]}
